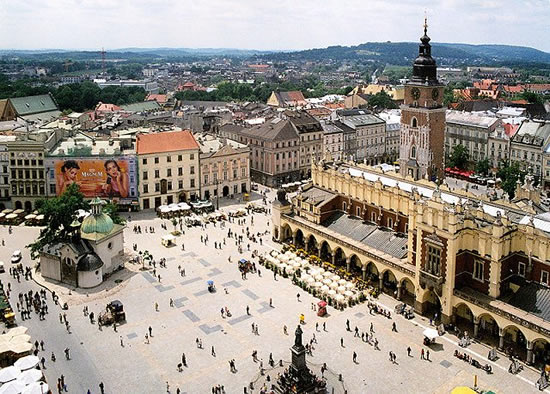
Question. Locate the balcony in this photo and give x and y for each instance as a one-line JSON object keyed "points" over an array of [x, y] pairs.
{"points": [[431, 281]]}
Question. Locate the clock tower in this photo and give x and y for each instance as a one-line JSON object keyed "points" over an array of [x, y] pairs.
{"points": [[422, 138]]}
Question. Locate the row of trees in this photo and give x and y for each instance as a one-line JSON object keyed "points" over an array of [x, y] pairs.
{"points": [[508, 173], [230, 91], [76, 97]]}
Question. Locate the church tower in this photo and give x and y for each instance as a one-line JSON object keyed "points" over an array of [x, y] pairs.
{"points": [[422, 138]]}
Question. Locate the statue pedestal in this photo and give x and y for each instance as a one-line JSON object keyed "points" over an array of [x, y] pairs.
{"points": [[298, 358]]}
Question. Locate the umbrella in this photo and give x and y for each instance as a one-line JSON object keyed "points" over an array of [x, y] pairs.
{"points": [[2, 214], [40, 217], [341, 289], [9, 373], [14, 387], [350, 285], [430, 333], [332, 292], [30, 376], [30, 216], [20, 347], [335, 278], [319, 277], [17, 331], [333, 285], [348, 293], [27, 362], [325, 289], [327, 274], [11, 216], [20, 338], [7, 210], [317, 284], [36, 388], [327, 281], [296, 264], [310, 280], [339, 297], [18, 211]]}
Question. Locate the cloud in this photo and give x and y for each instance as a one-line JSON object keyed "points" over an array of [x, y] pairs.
{"points": [[263, 24]]}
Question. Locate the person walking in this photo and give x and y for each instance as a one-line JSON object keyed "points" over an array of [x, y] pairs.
{"points": [[101, 388], [121, 342], [355, 357], [248, 310], [409, 351], [341, 341], [394, 327], [213, 352], [183, 360], [428, 354], [422, 354]]}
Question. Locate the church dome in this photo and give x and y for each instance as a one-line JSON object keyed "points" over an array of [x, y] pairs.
{"points": [[97, 222], [89, 262]]}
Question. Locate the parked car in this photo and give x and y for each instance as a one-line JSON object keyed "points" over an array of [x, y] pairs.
{"points": [[16, 257]]}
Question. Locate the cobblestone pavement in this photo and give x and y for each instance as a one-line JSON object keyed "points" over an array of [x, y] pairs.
{"points": [[140, 367]]}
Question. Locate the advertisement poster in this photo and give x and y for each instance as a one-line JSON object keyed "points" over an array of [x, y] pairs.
{"points": [[111, 178]]}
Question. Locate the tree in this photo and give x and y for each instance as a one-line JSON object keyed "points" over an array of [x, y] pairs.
{"points": [[381, 100], [458, 158], [482, 167], [59, 213], [509, 176], [111, 209]]}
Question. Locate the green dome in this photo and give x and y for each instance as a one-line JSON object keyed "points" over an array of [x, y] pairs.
{"points": [[101, 223]]}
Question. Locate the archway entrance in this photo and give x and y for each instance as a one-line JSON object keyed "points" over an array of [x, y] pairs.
{"points": [[182, 197], [541, 353], [18, 205], [372, 275], [326, 255], [312, 247], [464, 319], [488, 330], [286, 233], [207, 195], [407, 292], [356, 267], [28, 206], [68, 272], [515, 342], [389, 283], [339, 258], [299, 243], [225, 191], [431, 306]]}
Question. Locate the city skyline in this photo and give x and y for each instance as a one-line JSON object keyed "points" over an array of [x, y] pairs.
{"points": [[285, 25]]}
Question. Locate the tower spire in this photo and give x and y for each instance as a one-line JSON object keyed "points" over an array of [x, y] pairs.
{"points": [[425, 23]]}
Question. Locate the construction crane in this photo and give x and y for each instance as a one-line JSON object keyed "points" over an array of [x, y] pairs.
{"points": [[103, 53], [68, 63]]}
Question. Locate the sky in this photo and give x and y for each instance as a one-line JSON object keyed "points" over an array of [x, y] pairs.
{"points": [[267, 25]]}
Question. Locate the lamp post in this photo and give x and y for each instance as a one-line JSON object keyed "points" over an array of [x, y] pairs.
{"points": [[217, 194]]}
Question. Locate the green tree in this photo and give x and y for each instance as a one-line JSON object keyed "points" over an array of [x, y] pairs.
{"points": [[111, 209], [381, 100], [59, 213], [482, 167], [458, 158], [509, 176]]}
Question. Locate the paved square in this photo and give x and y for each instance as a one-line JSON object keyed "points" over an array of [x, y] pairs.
{"points": [[135, 366]]}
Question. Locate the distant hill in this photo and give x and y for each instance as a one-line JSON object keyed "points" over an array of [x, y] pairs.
{"points": [[404, 53]]}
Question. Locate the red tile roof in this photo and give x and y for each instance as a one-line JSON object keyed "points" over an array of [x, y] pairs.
{"points": [[159, 98], [167, 141], [510, 129]]}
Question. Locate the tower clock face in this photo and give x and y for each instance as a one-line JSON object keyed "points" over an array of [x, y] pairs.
{"points": [[435, 94], [415, 92]]}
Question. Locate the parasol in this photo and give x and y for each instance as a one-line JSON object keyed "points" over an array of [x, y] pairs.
{"points": [[36, 388], [430, 333], [27, 362], [13, 387], [9, 373], [30, 376]]}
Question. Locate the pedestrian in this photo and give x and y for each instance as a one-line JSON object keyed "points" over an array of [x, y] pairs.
{"points": [[247, 310], [42, 345], [43, 362], [354, 357], [167, 387], [171, 303], [156, 306], [298, 297], [146, 338], [394, 327], [422, 354], [371, 328], [121, 342], [183, 360], [270, 302], [285, 330], [101, 387], [317, 326], [324, 326], [342, 342], [347, 325], [151, 331], [213, 352], [428, 354], [409, 351]]}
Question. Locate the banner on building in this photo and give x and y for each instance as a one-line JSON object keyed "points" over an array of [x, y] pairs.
{"points": [[113, 178]]}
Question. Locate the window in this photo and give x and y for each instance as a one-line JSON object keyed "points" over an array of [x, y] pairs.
{"points": [[373, 217], [157, 187], [168, 172], [390, 223], [192, 156], [168, 159], [205, 179], [413, 152], [225, 175], [358, 212], [344, 206], [235, 189], [478, 270], [52, 189], [180, 157], [144, 161], [180, 171], [544, 277], [192, 182], [145, 175], [169, 185], [521, 269], [145, 188], [414, 122], [180, 184], [192, 170], [156, 160], [157, 173], [146, 203], [434, 260], [243, 172]]}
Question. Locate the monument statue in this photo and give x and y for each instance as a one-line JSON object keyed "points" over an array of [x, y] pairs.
{"points": [[298, 337]]}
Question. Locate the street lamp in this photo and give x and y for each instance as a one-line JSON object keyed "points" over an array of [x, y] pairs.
{"points": [[217, 194]]}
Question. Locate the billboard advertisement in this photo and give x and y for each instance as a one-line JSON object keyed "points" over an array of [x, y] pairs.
{"points": [[112, 178]]}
